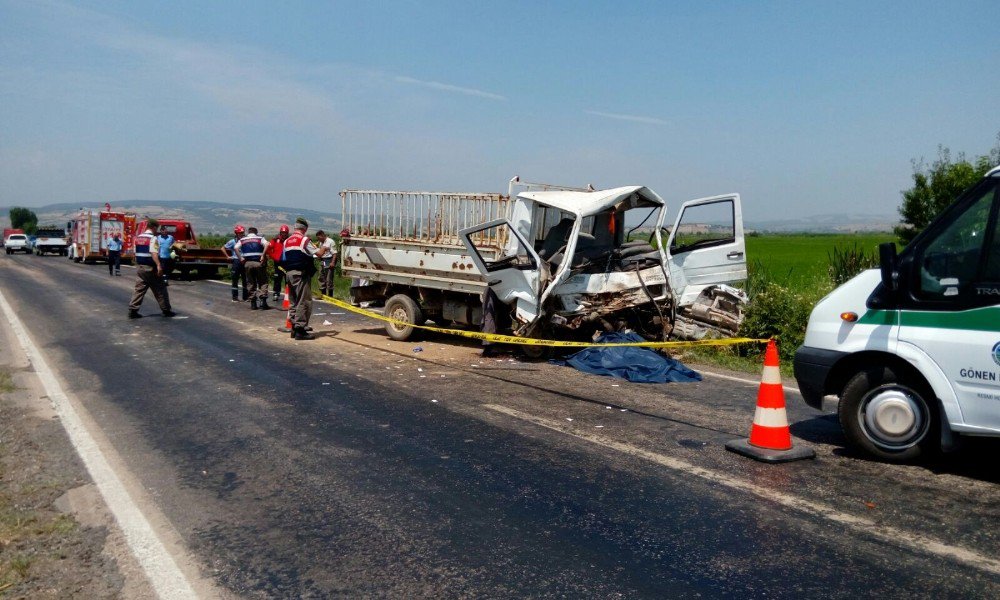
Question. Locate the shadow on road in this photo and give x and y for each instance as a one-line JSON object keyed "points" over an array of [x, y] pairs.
{"points": [[976, 458]]}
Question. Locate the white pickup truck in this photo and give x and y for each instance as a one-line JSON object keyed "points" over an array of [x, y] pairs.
{"points": [[50, 240], [16, 242], [562, 259]]}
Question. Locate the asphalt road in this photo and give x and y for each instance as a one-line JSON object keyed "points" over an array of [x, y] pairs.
{"points": [[355, 466]]}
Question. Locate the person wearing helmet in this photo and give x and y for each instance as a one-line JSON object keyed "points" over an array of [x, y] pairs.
{"points": [[235, 265], [275, 248]]}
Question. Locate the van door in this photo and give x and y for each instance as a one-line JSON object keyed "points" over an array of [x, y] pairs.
{"points": [[952, 313], [508, 264], [706, 245]]}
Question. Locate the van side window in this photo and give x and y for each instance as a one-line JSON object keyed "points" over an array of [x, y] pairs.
{"points": [[950, 263]]}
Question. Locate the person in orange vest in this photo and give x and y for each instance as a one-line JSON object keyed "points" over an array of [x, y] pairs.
{"points": [[299, 269], [274, 250], [149, 272]]}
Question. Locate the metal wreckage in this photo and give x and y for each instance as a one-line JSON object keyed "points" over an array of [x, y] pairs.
{"points": [[569, 263]]}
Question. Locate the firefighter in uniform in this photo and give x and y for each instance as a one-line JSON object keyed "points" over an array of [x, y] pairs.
{"points": [[252, 251], [149, 272], [299, 269]]}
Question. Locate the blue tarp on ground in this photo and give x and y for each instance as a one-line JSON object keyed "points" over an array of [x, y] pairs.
{"points": [[639, 365]]}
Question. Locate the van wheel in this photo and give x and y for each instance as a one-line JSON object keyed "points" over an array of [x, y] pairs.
{"points": [[888, 417], [403, 308]]}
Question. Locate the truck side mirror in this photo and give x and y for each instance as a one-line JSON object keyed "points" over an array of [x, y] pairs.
{"points": [[889, 264]]}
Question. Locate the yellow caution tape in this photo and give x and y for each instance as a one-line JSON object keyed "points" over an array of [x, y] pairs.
{"points": [[525, 341]]}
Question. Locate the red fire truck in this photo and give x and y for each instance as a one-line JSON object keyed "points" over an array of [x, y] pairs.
{"points": [[90, 231]]}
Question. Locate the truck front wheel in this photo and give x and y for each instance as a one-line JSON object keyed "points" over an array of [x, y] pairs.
{"points": [[402, 308], [887, 416]]}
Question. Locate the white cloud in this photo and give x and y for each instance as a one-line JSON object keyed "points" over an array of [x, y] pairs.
{"points": [[633, 118], [447, 87]]}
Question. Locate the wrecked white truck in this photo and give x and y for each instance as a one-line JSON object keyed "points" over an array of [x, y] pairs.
{"points": [[568, 262]]}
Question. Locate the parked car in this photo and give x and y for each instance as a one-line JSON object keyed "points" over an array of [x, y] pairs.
{"points": [[16, 242]]}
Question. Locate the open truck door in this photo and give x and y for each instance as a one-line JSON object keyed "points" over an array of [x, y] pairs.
{"points": [[510, 265], [706, 245]]}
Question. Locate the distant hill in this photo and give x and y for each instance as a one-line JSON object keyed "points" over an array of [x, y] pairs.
{"points": [[218, 217], [830, 223], [206, 217]]}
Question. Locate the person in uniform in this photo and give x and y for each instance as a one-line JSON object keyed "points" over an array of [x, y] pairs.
{"points": [[327, 255], [274, 250], [252, 250], [299, 269], [166, 243], [235, 266], [114, 246], [149, 272]]}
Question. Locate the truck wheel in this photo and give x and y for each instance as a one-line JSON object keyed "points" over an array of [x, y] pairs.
{"points": [[403, 308], [887, 416]]}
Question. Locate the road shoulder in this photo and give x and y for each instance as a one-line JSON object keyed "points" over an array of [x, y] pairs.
{"points": [[57, 537]]}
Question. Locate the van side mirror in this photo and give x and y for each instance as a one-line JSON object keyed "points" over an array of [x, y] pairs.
{"points": [[889, 264]]}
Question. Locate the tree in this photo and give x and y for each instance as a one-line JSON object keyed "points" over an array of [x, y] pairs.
{"points": [[937, 186], [23, 218]]}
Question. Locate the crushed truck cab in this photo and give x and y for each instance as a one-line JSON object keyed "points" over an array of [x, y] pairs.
{"points": [[566, 261]]}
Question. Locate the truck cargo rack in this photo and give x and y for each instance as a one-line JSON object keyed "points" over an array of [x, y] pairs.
{"points": [[426, 217]]}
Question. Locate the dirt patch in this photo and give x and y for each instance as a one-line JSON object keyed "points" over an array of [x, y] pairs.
{"points": [[45, 552]]}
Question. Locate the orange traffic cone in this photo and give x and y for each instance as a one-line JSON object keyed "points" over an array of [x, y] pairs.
{"points": [[770, 439], [285, 306]]}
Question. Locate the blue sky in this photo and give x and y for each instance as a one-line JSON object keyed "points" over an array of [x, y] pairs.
{"points": [[803, 107]]}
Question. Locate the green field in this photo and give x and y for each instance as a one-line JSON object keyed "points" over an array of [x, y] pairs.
{"points": [[799, 260]]}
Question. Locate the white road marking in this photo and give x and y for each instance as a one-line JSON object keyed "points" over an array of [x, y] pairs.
{"points": [[861, 525], [166, 578]]}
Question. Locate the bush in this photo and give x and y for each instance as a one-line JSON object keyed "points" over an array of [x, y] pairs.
{"points": [[846, 262], [777, 310]]}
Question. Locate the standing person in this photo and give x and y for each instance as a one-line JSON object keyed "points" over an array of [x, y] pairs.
{"points": [[299, 269], [252, 251], [235, 266], [149, 273], [114, 246], [327, 255], [274, 250], [166, 243]]}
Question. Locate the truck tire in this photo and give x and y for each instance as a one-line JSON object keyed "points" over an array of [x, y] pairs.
{"points": [[889, 417], [403, 308]]}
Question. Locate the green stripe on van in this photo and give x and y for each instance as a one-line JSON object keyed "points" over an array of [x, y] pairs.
{"points": [[977, 319]]}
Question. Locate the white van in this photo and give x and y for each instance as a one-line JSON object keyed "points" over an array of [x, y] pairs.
{"points": [[912, 350]]}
